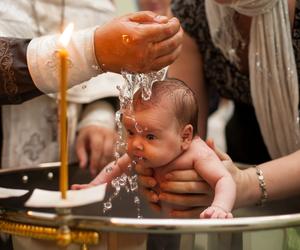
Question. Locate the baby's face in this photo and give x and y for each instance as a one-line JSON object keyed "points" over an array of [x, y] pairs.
{"points": [[153, 136]]}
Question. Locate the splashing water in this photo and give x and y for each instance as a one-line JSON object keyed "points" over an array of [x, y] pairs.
{"points": [[133, 82]]}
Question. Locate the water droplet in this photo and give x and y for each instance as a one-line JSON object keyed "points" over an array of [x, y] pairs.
{"points": [[137, 200], [108, 169], [126, 38], [96, 67], [107, 206]]}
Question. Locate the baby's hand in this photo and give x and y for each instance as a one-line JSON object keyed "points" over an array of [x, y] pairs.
{"points": [[81, 186], [215, 213]]}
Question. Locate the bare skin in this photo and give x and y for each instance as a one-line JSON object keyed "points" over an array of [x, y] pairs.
{"points": [[185, 186], [140, 42], [158, 142]]}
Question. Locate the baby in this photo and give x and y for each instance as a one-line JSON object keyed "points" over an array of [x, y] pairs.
{"points": [[162, 128]]}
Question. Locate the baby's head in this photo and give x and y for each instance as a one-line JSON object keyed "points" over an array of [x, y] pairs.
{"points": [[160, 129], [174, 96]]}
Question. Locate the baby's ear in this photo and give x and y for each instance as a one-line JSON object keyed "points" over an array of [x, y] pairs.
{"points": [[187, 136]]}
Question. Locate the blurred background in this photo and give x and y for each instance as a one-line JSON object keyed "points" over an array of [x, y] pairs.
{"points": [[125, 6]]}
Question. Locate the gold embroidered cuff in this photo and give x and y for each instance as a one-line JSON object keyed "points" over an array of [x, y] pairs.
{"points": [[262, 186]]}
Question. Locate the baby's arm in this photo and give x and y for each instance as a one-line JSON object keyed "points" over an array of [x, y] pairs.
{"points": [[211, 169], [108, 173]]}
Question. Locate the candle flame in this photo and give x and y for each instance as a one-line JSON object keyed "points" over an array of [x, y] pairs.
{"points": [[65, 37]]}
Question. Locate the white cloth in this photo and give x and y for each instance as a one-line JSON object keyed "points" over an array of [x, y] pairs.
{"points": [[98, 113], [43, 61], [30, 129], [272, 67]]}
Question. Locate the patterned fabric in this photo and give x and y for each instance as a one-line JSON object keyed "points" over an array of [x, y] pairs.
{"points": [[296, 36], [16, 85], [229, 81], [34, 123]]}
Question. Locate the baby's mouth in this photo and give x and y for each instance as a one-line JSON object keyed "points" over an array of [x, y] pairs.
{"points": [[139, 158]]}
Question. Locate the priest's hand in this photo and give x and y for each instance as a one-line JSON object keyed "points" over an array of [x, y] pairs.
{"points": [[139, 42], [95, 146]]}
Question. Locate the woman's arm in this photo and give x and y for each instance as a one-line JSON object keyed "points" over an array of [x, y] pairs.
{"points": [[281, 178], [189, 68]]}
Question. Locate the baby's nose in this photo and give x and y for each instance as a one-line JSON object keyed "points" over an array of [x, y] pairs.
{"points": [[138, 143]]}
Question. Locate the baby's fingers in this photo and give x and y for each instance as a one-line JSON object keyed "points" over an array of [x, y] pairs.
{"points": [[207, 213], [80, 186]]}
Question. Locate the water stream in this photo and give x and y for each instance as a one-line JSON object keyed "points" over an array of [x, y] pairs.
{"points": [[133, 82]]}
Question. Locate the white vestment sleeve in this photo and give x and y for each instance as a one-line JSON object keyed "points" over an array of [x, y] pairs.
{"points": [[100, 113], [43, 62]]}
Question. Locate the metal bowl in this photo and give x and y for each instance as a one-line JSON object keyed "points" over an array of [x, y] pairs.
{"points": [[121, 220]]}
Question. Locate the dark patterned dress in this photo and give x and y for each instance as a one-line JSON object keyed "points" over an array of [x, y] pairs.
{"points": [[243, 136]]}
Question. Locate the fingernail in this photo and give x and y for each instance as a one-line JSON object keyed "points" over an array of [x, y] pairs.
{"points": [[160, 18], [152, 183], [93, 172], [154, 198], [83, 164], [173, 19]]}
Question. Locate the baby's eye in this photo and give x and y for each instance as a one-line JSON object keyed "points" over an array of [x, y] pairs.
{"points": [[129, 132], [150, 137]]}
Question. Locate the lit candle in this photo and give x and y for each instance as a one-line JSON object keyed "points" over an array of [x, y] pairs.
{"points": [[63, 78]]}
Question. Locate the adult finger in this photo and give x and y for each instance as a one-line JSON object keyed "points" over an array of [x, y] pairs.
{"points": [[189, 213], [192, 187], [108, 145], [162, 61], [147, 17], [222, 155], [149, 194], [190, 200], [96, 153], [159, 32], [81, 152], [147, 181], [143, 171], [167, 46], [210, 142], [155, 207]]}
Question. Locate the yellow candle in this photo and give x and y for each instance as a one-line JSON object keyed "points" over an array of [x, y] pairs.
{"points": [[63, 58], [63, 82]]}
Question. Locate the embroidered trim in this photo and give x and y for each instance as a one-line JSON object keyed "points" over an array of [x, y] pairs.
{"points": [[6, 62]]}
